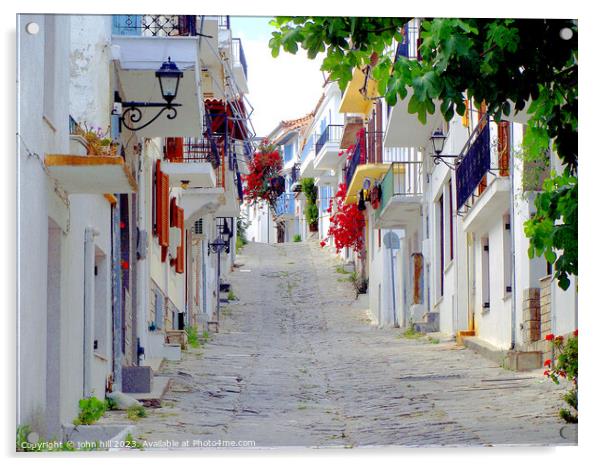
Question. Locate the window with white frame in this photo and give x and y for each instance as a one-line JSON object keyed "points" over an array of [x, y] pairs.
{"points": [[439, 216], [485, 289], [507, 255]]}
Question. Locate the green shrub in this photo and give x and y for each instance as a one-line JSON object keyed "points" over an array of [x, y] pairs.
{"points": [[311, 214], [231, 295], [192, 332], [297, 238], [136, 412], [90, 410]]}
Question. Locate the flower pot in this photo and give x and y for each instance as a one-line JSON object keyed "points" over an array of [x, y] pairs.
{"points": [[313, 227]]}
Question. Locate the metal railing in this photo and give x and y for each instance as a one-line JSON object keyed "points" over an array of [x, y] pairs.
{"points": [[238, 54], [408, 47], [223, 22], [201, 150], [352, 164], [474, 162], [163, 25], [156, 25], [403, 179], [285, 204], [332, 133]]}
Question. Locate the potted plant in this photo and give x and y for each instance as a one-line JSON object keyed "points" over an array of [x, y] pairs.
{"points": [[97, 141]]}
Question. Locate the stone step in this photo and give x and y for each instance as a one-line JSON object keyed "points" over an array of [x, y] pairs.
{"points": [[154, 363], [152, 399]]}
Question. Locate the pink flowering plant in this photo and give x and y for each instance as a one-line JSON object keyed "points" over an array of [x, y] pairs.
{"points": [[564, 365]]}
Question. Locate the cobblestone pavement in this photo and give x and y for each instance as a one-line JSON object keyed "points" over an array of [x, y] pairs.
{"points": [[298, 363]]}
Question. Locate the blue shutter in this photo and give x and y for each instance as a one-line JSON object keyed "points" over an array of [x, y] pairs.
{"points": [[127, 25]]}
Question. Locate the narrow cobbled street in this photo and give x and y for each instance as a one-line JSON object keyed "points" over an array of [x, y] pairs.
{"points": [[297, 362]]}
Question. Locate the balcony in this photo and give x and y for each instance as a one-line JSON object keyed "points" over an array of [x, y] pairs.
{"points": [[362, 164], [193, 163], [91, 174], [285, 205], [401, 196], [239, 63], [307, 169], [482, 193], [328, 147], [140, 44], [359, 93], [404, 129]]}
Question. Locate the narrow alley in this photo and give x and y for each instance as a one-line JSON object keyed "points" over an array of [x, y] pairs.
{"points": [[298, 363]]}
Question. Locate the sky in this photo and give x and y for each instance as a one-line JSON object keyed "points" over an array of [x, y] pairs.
{"points": [[282, 88]]}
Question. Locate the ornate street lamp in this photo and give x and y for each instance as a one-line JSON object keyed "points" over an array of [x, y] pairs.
{"points": [[169, 76], [438, 141]]}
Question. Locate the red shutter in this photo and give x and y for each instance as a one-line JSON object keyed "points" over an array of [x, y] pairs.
{"points": [[164, 218], [157, 201], [180, 256], [174, 149], [173, 220], [503, 147]]}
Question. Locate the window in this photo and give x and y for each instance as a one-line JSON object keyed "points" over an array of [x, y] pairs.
{"points": [[441, 233], [507, 255], [485, 273], [101, 306], [503, 147]]}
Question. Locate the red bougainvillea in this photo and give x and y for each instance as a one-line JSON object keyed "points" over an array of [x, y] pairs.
{"points": [[347, 223], [264, 181]]}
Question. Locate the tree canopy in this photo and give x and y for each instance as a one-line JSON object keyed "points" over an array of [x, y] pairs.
{"points": [[511, 64]]}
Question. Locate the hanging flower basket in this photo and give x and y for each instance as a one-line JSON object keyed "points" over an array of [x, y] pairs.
{"points": [[264, 182]]}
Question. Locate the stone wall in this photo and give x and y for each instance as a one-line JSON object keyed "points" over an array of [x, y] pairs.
{"points": [[531, 327]]}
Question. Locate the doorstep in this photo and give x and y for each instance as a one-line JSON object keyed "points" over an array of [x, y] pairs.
{"points": [[159, 387], [510, 359], [154, 363], [485, 349]]}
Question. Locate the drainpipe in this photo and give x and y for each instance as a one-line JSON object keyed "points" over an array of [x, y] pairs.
{"points": [[116, 287], [89, 253], [142, 282], [512, 242]]}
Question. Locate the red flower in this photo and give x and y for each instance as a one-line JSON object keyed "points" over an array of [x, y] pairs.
{"points": [[560, 338], [322, 243], [125, 265], [549, 336], [546, 373], [575, 333], [548, 363], [562, 373]]}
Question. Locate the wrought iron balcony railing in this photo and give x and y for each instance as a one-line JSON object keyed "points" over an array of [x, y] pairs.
{"points": [[285, 204], [474, 162], [354, 161], [162, 25], [408, 47], [332, 133], [238, 54], [156, 25]]}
